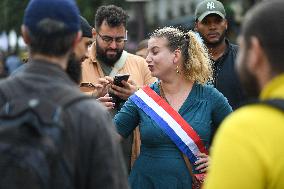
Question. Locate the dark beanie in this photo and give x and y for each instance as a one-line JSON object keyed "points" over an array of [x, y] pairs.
{"points": [[85, 27], [64, 12]]}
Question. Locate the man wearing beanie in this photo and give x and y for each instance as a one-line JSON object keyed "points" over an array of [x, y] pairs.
{"points": [[86, 41], [211, 24], [80, 53], [83, 152]]}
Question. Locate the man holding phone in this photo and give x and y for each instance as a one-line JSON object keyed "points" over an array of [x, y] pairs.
{"points": [[119, 78], [107, 57], [80, 52]]}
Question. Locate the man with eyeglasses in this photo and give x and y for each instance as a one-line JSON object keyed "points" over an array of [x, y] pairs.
{"points": [[107, 57]]}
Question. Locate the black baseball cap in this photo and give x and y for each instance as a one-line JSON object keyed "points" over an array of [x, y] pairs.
{"points": [[85, 27]]}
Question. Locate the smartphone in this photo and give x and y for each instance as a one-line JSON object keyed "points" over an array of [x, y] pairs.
{"points": [[119, 78]]}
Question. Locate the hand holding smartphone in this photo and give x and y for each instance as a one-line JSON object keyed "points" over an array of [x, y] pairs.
{"points": [[119, 78], [117, 81]]}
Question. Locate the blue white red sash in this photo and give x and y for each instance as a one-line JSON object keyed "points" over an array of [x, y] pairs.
{"points": [[170, 121]]}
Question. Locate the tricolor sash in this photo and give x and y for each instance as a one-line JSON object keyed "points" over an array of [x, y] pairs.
{"points": [[170, 121]]}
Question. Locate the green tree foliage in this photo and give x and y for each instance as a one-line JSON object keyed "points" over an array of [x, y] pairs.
{"points": [[12, 11], [88, 8], [11, 14]]}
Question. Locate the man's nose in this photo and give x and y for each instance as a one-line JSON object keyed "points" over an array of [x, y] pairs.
{"points": [[113, 44], [212, 25]]}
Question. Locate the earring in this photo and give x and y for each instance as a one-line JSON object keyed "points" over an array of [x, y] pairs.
{"points": [[177, 70]]}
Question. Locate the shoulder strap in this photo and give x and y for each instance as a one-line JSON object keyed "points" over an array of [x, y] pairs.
{"points": [[68, 97], [276, 103], [64, 98], [5, 89], [119, 64], [170, 121]]}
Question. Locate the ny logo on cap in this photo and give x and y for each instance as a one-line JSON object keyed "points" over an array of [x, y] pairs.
{"points": [[210, 5]]}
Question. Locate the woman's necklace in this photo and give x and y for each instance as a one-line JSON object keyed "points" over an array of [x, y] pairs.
{"points": [[162, 92]]}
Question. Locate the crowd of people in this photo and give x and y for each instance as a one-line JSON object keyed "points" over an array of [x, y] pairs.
{"points": [[188, 110]]}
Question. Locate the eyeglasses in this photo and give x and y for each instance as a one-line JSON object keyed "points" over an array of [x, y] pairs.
{"points": [[108, 39]]}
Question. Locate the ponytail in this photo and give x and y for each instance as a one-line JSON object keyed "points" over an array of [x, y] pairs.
{"points": [[198, 66]]}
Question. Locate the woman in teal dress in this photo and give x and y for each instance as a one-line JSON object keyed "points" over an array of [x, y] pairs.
{"points": [[183, 68]]}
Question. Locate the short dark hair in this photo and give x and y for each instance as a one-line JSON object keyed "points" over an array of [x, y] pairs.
{"points": [[113, 15], [265, 21], [51, 43]]}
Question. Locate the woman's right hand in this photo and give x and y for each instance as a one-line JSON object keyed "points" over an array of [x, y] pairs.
{"points": [[202, 163]]}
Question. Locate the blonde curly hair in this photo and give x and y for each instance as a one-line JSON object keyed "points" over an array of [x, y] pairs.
{"points": [[197, 64]]}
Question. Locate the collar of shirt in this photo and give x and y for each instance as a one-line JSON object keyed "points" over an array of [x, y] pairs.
{"points": [[47, 70], [225, 53], [92, 54]]}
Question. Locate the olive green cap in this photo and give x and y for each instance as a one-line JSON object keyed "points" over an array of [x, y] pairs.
{"points": [[207, 7]]}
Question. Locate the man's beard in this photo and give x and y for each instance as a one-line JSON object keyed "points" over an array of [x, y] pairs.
{"points": [[248, 80], [101, 55], [213, 44], [74, 69]]}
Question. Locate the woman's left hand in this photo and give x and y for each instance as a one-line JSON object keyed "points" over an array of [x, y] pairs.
{"points": [[202, 163], [126, 91]]}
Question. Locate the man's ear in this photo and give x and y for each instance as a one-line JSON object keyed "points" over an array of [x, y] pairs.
{"points": [[195, 26], [77, 39], [226, 22], [25, 34], [94, 33], [259, 63], [255, 55]]}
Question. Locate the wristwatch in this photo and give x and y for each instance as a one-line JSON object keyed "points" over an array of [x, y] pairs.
{"points": [[87, 87]]}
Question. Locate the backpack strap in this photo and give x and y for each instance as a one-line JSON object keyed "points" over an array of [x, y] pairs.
{"points": [[68, 97], [64, 98], [276, 103], [5, 90]]}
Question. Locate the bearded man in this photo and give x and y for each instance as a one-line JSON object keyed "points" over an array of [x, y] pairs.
{"points": [[211, 24]]}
